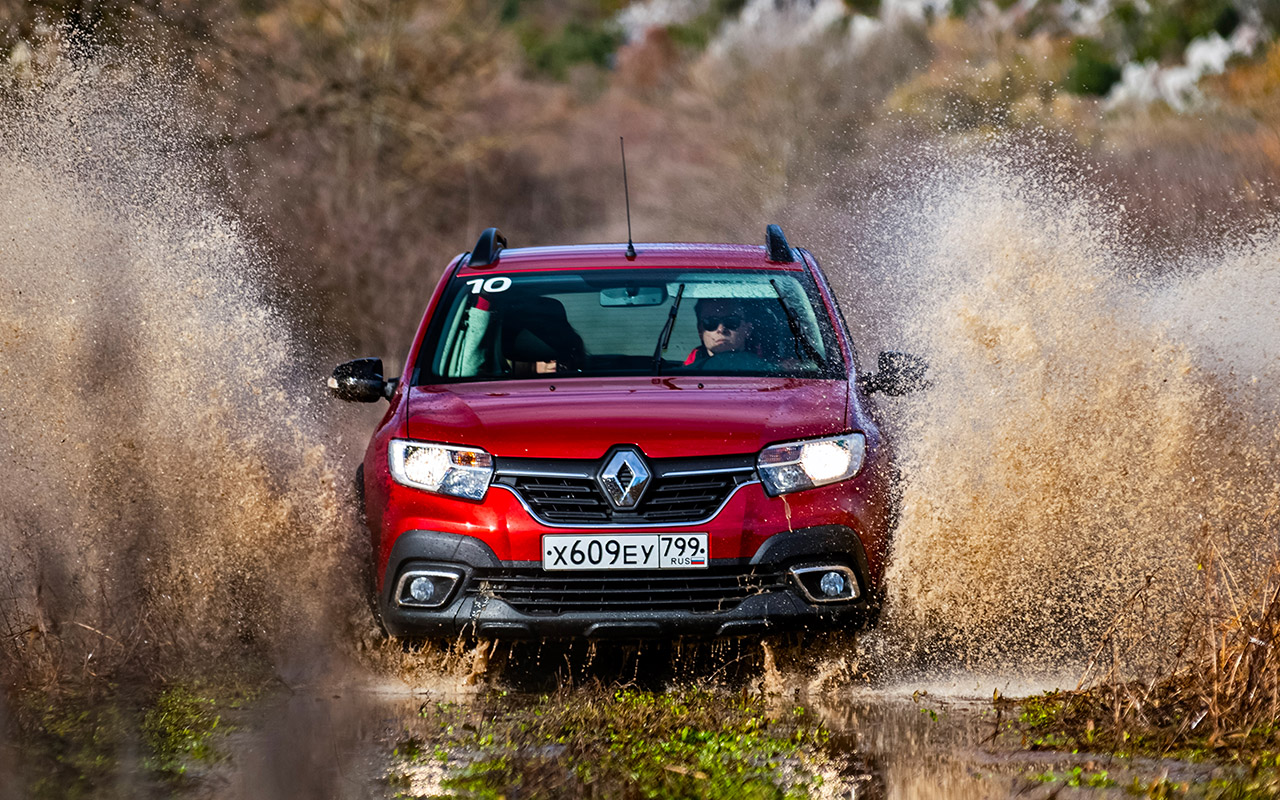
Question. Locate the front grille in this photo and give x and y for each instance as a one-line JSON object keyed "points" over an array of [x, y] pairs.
{"points": [[685, 498], [536, 592], [681, 490], [568, 500], [672, 500]]}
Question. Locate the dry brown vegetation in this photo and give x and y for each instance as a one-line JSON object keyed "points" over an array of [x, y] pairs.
{"points": [[369, 143], [1222, 699]]}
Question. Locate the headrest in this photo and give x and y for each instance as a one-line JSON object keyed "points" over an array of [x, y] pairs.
{"points": [[537, 329], [539, 309], [528, 346]]}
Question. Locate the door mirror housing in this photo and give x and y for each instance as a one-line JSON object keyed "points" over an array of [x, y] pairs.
{"points": [[360, 381], [896, 374]]}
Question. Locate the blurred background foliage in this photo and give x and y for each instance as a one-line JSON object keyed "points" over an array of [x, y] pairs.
{"points": [[370, 141]]}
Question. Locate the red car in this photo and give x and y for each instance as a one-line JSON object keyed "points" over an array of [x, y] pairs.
{"points": [[601, 441]]}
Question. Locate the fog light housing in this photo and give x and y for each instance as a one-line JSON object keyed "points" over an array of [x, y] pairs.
{"points": [[426, 588], [826, 583]]}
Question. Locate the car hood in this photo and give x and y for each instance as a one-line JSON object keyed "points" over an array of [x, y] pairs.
{"points": [[668, 417]]}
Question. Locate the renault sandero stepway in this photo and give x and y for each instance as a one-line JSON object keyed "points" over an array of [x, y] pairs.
{"points": [[628, 441]]}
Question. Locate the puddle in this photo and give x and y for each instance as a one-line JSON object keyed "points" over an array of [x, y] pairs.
{"points": [[548, 730], [393, 741]]}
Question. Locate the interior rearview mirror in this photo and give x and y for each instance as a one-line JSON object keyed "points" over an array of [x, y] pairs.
{"points": [[633, 296], [359, 381]]}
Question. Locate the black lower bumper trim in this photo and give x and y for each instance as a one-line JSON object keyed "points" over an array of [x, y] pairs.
{"points": [[773, 603], [504, 630], [622, 630]]}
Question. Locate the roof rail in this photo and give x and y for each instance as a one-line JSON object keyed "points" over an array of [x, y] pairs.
{"points": [[488, 248], [776, 244]]}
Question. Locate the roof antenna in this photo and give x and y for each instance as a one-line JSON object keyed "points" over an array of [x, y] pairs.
{"points": [[631, 248]]}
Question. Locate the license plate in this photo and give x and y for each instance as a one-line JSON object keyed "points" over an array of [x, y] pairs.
{"points": [[625, 551]]}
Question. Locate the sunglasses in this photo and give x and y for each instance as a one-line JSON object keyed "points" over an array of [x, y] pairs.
{"points": [[731, 322]]}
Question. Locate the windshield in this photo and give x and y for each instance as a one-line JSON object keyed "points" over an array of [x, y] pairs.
{"points": [[592, 323]]}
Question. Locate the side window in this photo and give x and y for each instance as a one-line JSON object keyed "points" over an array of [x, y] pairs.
{"points": [[464, 340], [442, 364]]}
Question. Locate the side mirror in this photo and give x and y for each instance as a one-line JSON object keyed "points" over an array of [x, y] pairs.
{"points": [[896, 374], [360, 381]]}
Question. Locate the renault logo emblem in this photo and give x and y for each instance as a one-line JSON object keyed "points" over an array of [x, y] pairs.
{"points": [[624, 478]]}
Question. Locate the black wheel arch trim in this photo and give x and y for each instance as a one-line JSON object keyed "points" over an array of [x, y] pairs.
{"points": [[420, 545], [818, 542]]}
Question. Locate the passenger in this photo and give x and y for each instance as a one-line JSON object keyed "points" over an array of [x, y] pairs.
{"points": [[723, 327], [538, 339]]}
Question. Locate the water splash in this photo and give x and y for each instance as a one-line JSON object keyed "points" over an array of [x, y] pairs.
{"points": [[1096, 435], [163, 498]]}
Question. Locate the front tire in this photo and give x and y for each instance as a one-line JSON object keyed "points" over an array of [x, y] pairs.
{"points": [[369, 576]]}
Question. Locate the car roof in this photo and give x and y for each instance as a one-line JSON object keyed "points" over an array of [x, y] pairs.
{"points": [[666, 255]]}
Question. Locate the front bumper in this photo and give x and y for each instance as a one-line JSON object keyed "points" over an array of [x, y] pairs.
{"points": [[774, 604]]}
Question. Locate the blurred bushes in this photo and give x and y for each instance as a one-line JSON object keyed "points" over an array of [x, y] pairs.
{"points": [[576, 43], [1093, 68], [1256, 85], [558, 36], [372, 142], [371, 149], [698, 32], [970, 87], [121, 22], [1163, 32], [353, 133], [1158, 31]]}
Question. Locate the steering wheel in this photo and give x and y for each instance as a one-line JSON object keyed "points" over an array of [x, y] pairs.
{"points": [[736, 361]]}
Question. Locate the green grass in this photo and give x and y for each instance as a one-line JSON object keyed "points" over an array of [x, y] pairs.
{"points": [[1084, 722], [179, 730], [76, 739], [1077, 777], [626, 743], [79, 742]]}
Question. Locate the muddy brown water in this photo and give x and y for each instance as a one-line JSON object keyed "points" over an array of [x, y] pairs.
{"points": [[891, 742], [338, 740], [338, 744]]}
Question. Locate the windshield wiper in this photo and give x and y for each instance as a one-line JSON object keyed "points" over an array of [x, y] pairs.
{"points": [[664, 338], [797, 336]]}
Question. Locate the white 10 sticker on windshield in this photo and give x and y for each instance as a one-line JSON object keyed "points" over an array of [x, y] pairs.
{"points": [[492, 285]]}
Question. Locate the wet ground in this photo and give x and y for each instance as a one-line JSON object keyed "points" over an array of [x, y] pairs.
{"points": [[351, 743], [540, 732], [771, 736]]}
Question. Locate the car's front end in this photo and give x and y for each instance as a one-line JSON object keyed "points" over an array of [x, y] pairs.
{"points": [[542, 539], [608, 488]]}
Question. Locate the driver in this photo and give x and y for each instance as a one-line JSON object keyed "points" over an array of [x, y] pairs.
{"points": [[723, 327]]}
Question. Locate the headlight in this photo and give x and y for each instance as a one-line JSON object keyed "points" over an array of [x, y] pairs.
{"points": [[441, 468], [791, 467]]}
